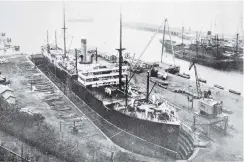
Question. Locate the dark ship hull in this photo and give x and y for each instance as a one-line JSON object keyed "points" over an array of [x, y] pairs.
{"points": [[162, 134], [207, 58], [223, 64]]}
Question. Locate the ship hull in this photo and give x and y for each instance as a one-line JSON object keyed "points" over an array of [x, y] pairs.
{"points": [[162, 134], [214, 63], [220, 64]]}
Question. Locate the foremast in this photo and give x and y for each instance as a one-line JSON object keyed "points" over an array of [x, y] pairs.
{"points": [[120, 53]]}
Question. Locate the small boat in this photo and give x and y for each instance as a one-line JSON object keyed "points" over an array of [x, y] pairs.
{"points": [[162, 85], [184, 75], [227, 111], [218, 86], [179, 90], [137, 70], [235, 92], [173, 69], [202, 80], [155, 64]]}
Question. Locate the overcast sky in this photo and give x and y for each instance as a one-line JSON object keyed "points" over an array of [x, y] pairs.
{"points": [[30, 20]]}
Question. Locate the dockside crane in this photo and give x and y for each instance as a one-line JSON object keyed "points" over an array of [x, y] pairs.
{"points": [[199, 92], [193, 64]]}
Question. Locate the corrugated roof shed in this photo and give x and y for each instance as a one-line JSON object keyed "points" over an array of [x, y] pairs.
{"points": [[7, 94]]}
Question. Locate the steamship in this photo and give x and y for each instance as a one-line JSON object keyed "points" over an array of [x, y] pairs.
{"points": [[103, 85], [212, 52]]}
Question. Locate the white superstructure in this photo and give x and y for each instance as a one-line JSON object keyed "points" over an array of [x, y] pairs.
{"points": [[93, 74]]}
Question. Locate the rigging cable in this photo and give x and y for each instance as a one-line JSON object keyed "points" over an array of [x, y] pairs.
{"points": [[145, 50], [172, 48], [70, 44]]}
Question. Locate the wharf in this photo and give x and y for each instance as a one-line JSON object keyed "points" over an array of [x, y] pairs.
{"points": [[232, 141]]}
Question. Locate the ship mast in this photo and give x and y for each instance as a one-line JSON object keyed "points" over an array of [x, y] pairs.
{"points": [[64, 28], [48, 49], [196, 45], [182, 34], [237, 43], [163, 41], [148, 80], [76, 57], [217, 39], [120, 53], [96, 55]]}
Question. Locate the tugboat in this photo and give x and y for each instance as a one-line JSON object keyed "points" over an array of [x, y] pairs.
{"points": [[184, 75], [104, 87]]}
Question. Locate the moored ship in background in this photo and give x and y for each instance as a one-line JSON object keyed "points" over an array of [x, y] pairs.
{"points": [[210, 51], [6, 46]]}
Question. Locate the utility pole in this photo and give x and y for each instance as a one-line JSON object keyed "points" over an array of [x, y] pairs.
{"points": [[47, 157], [22, 153], [126, 92], [163, 41], [112, 156], [60, 124], [120, 53], [194, 121], [148, 86], [64, 28]]}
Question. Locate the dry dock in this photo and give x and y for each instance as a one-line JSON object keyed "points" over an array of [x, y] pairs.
{"points": [[37, 94]]}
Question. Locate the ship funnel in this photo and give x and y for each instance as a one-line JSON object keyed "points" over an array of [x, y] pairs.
{"points": [[83, 49]]}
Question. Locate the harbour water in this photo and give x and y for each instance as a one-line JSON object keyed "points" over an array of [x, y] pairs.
{"points": [[135, 41]]}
